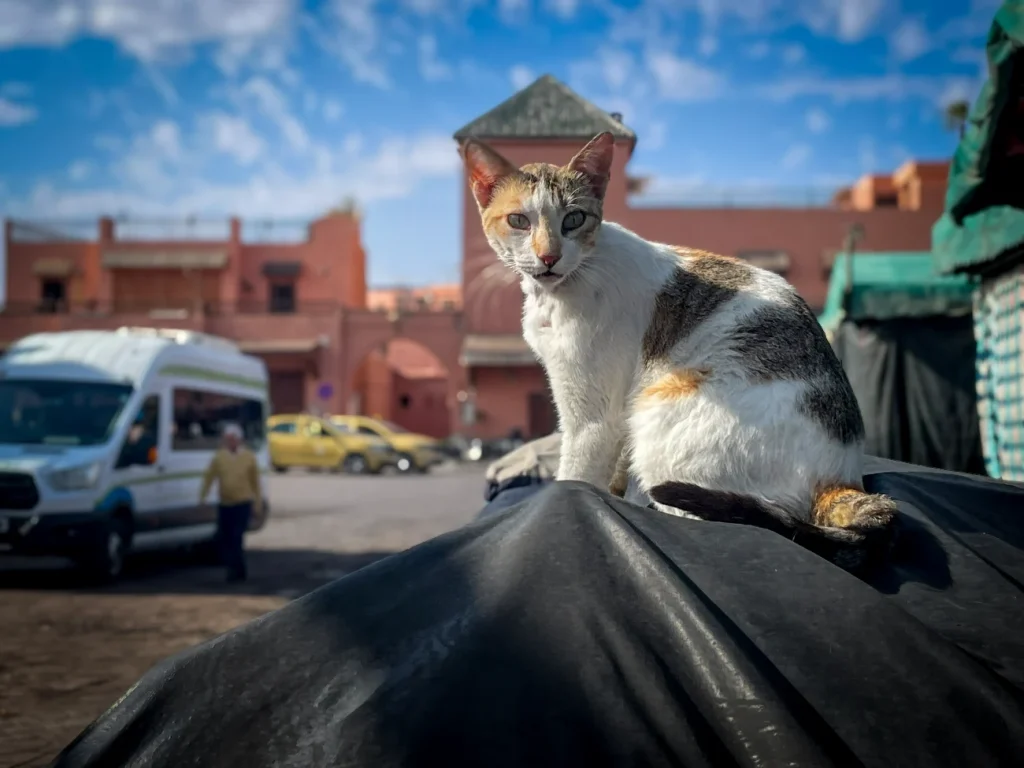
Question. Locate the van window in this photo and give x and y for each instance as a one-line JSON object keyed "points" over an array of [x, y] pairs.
{"points": [[143, 434], [59, 411], [200, 417], [284, 428]]}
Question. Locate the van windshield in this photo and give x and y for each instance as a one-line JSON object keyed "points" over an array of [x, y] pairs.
{"points": [[58, 411]]}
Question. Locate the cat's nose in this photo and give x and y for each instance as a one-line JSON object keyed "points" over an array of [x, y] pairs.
{"points": [[550, 259]]}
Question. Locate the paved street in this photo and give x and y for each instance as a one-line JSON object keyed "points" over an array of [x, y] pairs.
{"points": [[67, 653]]}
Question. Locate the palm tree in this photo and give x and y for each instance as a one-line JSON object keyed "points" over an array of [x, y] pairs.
{"points": [[955, 115]]}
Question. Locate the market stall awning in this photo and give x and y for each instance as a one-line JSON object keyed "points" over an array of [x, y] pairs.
{"points": [[892, 284], [984, 218]]}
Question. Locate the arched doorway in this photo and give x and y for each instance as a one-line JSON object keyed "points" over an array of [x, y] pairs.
{"points": [[403, 382]]}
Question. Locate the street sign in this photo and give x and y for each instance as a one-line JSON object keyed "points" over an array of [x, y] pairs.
{"points": [[324, 391]]}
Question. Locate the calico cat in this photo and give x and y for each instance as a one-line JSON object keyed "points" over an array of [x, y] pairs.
{"points": [[708, 379]]}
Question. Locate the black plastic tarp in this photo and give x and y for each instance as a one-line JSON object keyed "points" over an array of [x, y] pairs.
{"points": [[914, 378], [577, 629]]}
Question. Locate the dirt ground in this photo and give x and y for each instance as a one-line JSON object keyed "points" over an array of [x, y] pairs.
{"points": [[67, 653], [47, 695]]}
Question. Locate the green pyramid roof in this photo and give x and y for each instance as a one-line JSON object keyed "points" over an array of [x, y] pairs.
{"points": [[546, 109]]}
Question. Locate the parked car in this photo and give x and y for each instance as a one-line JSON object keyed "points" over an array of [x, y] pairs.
{"points": [[105, 435], [415, 453], [301, 440]]}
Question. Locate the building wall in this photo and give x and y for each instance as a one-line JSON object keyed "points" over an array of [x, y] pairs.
{"points": [[502, 398], [420, 404], [805, 234]]}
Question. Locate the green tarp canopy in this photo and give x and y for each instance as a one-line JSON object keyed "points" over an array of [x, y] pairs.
{"points": [[892, 285], [984, 218]]}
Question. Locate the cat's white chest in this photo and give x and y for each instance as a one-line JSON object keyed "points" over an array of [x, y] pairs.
{"points": [[553, 332]]}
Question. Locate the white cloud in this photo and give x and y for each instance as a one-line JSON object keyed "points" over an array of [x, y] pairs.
{"points": [[521, 76], [80, 170], [655, 135], [12, 113], [274, 106], [796, 157], [235, 137], [513, 11], [759, 50], [909, 40], [16, 90], [892, 87], [353, 35], [817, 120], [683, 80], [432, 68], [332, 110], [708, 45], [564, 9], [393, 170], [847, 20], [794, 54], [162, 30]]}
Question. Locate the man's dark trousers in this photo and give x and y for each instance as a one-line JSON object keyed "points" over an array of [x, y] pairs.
{"points": [[232, 522]]}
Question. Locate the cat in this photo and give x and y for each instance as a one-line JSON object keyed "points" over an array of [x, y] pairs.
{"points": [[707, 378]]}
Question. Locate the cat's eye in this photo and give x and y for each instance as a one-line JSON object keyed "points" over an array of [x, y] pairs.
{"points": [[573, 220], [518, 221]]}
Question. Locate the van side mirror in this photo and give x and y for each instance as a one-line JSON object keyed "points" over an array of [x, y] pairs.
{"points": [[151, 455]]}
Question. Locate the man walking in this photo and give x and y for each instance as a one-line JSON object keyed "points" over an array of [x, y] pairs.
{"points": [[237, 475]]}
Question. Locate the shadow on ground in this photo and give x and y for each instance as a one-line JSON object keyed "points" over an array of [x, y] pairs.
{"points": [[280, 572]]}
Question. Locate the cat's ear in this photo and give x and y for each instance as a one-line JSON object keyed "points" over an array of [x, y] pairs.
{"points": [[485, 168], [595, 162]]}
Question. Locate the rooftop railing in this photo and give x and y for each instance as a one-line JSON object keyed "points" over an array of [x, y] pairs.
{"points": [[179, 229], [751, 195]]}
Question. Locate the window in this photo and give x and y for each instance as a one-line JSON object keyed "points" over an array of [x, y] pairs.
{"points": [[54, 297], [282, 297], [368, 431], [59, 411], [143, 435], [284, 428], [200, 417], [404, 401]]}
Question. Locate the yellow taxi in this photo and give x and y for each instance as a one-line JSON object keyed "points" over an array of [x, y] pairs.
{"points": [[414, 453], [301, 440]]}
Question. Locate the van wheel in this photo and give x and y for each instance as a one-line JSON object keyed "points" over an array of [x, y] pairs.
{"points": [[354, 464], [106, 562]]}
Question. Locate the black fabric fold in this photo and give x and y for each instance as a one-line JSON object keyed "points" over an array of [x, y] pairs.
{"points": [[578, 629]]}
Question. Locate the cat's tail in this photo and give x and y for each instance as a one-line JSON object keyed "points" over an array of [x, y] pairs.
{"points": [[851, 528]]}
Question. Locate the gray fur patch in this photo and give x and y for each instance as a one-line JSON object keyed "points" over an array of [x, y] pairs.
{"points": [[690, 297], [784, 342], [834, 406]]}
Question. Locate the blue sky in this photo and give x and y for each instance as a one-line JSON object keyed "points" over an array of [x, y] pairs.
{"points": [[283, 108]]}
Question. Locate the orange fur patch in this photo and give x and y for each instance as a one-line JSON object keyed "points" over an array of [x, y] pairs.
{"points": [[697, 253], [676, 385], [832, 505], [508, 198], [544, 239]]}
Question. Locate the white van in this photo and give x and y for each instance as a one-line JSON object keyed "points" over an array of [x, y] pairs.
{"points": [[105, 435]]}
